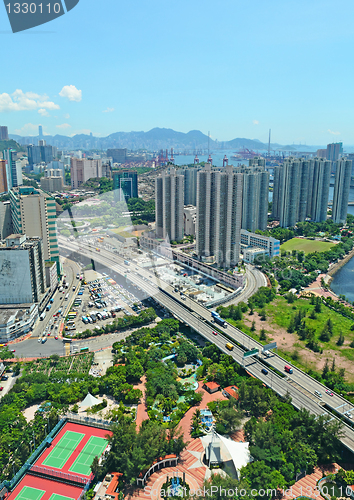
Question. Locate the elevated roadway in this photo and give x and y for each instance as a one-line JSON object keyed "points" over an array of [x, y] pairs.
{"points": [[300, 386]]}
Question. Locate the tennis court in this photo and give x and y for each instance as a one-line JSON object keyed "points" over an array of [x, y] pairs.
{"points": [[36, 488], [63, 450], [94, 446]]}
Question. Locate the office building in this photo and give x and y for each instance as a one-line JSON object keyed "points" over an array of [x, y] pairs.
{"points": [[33, 213], [118, 155], [169, 204], [341, 191], [125, 184], [22, 271], [41, 153], [40, 132], [4, 134], [83, 169], [4, 175], [219, 212], [190, 186], [5, 220], [189, 219], [14, 168], [334, 151], [255, 197]]}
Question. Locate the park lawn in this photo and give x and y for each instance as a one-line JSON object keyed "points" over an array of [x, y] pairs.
{"points": [[279, 312], [306, 246]]}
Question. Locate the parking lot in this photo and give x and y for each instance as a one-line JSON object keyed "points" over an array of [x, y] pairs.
{"points": [[97, 303]]}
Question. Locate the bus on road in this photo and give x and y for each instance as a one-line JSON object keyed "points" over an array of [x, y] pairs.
{"points": [[84, 349], [42, 316]]}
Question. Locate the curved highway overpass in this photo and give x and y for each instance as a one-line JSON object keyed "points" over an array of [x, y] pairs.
{"points": [[300, 386]]}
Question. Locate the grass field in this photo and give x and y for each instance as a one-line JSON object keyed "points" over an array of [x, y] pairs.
{"points": [[63, 450], [94, 446], [306, 246]]}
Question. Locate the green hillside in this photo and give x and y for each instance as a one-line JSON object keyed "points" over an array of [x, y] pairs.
{"points": [[11, 144]]}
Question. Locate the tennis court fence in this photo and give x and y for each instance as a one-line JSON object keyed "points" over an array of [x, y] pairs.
{"points": [[55, 474], [92, 422], [26, 466]]}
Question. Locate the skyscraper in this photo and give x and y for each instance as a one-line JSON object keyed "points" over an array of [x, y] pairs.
{"points": [[219, 211], [255, 197], [341, 191], [4, 135], [301, 190], [33, 213], [319, 180], [40, 132], [84, 169], [169, 203], [190, 186], [14, 170], [125, 183], [334, 150]]}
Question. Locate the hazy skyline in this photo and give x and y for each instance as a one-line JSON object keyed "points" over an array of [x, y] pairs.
{"points": [[234, 68]]}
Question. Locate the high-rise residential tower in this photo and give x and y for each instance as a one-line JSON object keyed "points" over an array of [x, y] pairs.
{"points": [[255, 197], [126, 184], [169, 203], [334, 151], [33, 213], [190, 186], [341, 191], [219, 212], [301, 190]]}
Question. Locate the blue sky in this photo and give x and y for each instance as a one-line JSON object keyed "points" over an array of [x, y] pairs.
{"points": [[234, 67]]}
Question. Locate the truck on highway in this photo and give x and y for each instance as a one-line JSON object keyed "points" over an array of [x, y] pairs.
{"points": [[127, 263], [229, 346], [51, 300], [288, 369], [42, 316], [48, 307], [44, 339], [220, 321], [215, 314]]}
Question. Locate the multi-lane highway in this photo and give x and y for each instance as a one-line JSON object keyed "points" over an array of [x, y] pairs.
{"points": [[299, 385]]}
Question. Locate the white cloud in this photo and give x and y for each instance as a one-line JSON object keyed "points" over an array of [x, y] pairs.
{"points": [[27, 129], [63, 126], [43, 112], [71, 93], [333, 133], [25, 101], [255, 122], [108, 110]]}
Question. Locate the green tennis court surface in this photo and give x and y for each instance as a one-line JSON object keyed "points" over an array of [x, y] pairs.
{"points": [[94, 446], [55, 496], [63, 449], [28, 493]]}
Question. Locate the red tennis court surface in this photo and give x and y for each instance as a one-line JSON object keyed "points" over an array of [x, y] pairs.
{"points": [[46, 485], [81, 429]]}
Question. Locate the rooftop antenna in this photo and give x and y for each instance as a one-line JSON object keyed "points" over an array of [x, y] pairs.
{"points": [[269, 143]]}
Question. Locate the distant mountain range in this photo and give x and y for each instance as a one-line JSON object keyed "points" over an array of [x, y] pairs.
{"points": [[154, 140]]}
